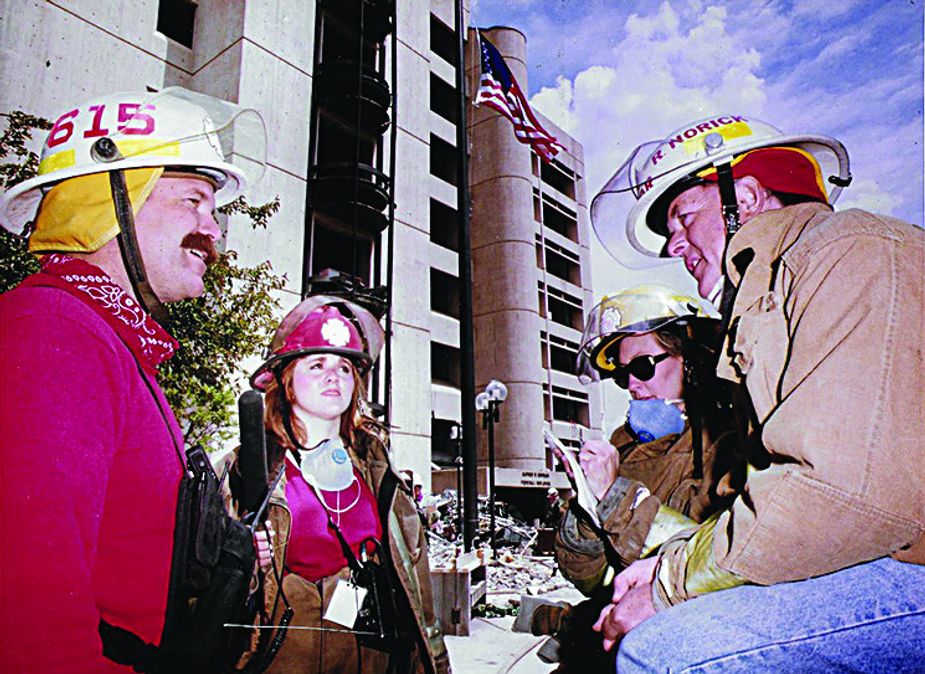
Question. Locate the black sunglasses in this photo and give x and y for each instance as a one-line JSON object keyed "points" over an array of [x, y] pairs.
{"points": [[641, 367]]}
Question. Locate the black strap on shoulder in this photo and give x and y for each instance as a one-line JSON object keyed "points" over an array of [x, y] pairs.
{"points": [[384, 502]]}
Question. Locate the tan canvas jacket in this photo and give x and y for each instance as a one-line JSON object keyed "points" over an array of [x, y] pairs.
{"points": [[662, 468], [408, 548], [827, 334]]}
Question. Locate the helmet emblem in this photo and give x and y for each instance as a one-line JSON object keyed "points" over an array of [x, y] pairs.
{"points": [[610, 320], [335, 332]]}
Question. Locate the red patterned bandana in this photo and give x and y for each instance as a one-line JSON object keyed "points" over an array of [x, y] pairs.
{"points": [[140, 332]]}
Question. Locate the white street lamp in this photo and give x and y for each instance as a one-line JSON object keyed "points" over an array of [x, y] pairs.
{"points": [[488, 402]]}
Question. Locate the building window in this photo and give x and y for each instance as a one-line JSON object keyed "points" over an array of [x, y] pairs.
{"points": [[443, 160], [444, 225], [444, 293], [341, 42], [566, 405], [444, 365], [558, 177], [338, 143], [560, 219], [564, 308], [333, 249], [562, 264], [443, 99], [443, 449], [443, 41], [561, 355], [176, 20]]}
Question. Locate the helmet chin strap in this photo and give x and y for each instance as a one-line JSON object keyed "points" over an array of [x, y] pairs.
{"points": [[727, 195], [106, 150]]}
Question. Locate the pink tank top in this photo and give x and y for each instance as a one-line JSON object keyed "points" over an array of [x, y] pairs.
{"points": [[314, 551]]}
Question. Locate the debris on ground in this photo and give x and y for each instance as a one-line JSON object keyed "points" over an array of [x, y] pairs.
{"points": [[491, 611], [514, 569]]}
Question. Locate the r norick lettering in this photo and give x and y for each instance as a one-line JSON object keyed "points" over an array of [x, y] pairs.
{"points": [[704, 127]]}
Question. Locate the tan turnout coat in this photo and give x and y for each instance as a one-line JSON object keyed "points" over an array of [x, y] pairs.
{"points": [[311, 651], [827, 334]]}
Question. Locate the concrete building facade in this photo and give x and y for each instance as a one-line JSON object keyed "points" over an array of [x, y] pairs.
{"points": [[286, 59]]}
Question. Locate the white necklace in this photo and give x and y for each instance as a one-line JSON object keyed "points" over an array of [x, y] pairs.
{"points": [[337, 509]]}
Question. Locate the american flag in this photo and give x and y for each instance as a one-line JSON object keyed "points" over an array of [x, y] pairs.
{"points": [[499, 90]]}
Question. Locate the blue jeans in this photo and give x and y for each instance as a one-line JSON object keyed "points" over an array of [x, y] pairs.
{"points": [[867, 618]]}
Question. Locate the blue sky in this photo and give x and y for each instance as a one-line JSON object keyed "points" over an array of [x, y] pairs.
{"points": [[616, 73]]}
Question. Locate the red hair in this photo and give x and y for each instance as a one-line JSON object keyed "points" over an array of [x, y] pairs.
{"points": [[351, 419]]}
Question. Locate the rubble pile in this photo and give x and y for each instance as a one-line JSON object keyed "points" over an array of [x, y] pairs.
{"points": [[441, 513], [512, 574], [514, 570]]}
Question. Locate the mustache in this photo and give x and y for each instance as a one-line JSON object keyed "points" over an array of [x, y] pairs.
{"points": [[199, 241]]}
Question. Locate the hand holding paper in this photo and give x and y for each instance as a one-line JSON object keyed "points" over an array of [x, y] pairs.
{"points": [[600, 462], [568, 456]]}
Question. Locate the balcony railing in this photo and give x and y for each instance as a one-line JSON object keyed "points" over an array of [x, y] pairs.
{"points": [[349, 89], [350, 191]]}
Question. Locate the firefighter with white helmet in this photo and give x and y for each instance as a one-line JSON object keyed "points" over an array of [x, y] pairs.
{"points": [[121, 215], [101, 161], [824, 312]]}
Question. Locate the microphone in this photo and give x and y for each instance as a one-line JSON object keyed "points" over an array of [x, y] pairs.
{"points": [[252, 457]]}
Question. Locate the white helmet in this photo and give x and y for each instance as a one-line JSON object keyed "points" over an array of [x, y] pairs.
{"points": [[628, 213], [633, 311], [172, 128]]}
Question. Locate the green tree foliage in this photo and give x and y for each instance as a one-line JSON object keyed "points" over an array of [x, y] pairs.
{"points": [[231, 321], [21, 164]]}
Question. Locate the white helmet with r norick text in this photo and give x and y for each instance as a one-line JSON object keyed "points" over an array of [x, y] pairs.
{"points": [[629, 213]]}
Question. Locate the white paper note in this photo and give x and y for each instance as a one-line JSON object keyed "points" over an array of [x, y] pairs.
{"points": [[586, 498], [345, 603]]}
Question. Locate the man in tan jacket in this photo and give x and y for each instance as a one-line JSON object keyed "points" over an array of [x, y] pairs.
{"points": [[818, 564]]}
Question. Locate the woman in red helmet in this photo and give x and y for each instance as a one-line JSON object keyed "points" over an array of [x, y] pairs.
{"points": [[340, 507]]}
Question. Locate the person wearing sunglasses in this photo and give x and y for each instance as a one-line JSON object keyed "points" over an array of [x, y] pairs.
{"points": [[658, 471]]}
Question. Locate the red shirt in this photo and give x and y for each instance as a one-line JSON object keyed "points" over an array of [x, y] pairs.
{"points": [[314, 551], [88, 471]]}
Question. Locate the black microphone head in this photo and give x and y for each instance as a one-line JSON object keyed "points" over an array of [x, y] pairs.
{"points": [[252, 457]]}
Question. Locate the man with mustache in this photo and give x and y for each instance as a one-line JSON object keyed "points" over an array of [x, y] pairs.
{"points": [[819, 564], [121, 216]]}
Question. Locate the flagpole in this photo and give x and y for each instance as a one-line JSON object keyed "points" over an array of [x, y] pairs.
{"points": [[466, 332]]}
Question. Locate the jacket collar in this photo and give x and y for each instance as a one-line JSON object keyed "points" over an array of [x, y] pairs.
{"points": [[757, 246], [768, 235]]}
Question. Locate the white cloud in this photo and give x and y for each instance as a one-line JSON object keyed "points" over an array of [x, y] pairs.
{"points": [[665, 72], [822, 9]]}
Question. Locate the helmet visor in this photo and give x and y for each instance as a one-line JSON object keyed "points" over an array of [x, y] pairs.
{"points": [[611, 208], [630, 210], [223, 140], [631, 312]]}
